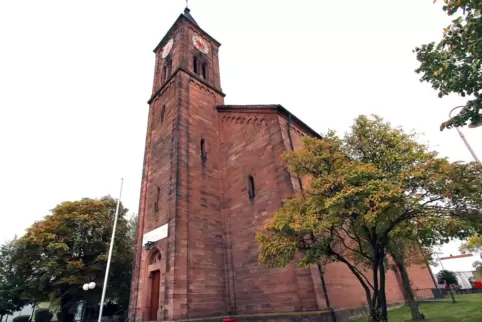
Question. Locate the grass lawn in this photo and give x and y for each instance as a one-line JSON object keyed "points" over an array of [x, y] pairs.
{"points": [[467, 309]]}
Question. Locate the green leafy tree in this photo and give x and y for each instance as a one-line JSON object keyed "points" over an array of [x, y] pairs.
{"points": [[11, 299], [477, 265], [454, 64], [447, 276], [69, 248], [132, 224], [363, 188]]}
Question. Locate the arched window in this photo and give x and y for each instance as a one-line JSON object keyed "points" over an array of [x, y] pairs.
{"points": [[251, 190], [155, 258], [200, 67], [203, 149], [163, 112], [204, 67], [194, 65]]}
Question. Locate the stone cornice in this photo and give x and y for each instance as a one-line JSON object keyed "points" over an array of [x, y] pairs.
{"points": [[210, 86], [274, 108]]}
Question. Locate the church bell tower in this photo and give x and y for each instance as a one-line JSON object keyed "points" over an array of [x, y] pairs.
{"points": [[179, 269]]}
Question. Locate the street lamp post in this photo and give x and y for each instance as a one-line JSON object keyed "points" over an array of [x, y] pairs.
{"points": [[83, 303], [109, 257], [462, 136]]}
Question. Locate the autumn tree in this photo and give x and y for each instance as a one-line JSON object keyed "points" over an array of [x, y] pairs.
{"points": [[11, 299], [472, 245], [363, 188], [68, 248], [454, 63]]}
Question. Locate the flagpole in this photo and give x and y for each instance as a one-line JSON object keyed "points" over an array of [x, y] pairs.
{"points": [[110, 252]]}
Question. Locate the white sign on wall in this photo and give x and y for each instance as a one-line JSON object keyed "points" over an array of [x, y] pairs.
{"points": [[155, 235]]}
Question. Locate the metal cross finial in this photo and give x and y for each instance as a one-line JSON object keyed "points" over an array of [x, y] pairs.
{"points": [[187, 3]]}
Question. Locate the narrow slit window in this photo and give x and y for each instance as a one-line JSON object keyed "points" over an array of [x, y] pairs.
{"points": [[194, 65], [164, 73], [203, 149], [204, 70], [156, 204], [163, 112], [251, 190], [169, 68]]}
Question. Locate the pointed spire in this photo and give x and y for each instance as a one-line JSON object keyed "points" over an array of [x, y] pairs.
{"points": [[187, 14]]}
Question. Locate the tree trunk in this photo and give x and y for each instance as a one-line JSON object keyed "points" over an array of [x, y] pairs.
{"points": [[383, 296], [449, 290], [1, 318], [407, 289], [376, 309]]}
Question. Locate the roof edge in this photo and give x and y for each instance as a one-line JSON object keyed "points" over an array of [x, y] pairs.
{"points": [[279, 108], [177, 70]]}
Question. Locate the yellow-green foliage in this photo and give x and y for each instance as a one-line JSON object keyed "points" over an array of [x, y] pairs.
{"points": [[374, 186]]}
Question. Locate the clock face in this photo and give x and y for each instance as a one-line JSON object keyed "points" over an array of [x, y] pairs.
{"points": [[167, 48], [200, 44]]}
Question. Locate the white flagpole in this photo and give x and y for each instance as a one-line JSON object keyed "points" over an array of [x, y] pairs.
{"points": [[110, 252]]}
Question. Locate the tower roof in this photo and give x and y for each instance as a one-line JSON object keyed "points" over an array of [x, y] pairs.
{"points": [[186, 16]]}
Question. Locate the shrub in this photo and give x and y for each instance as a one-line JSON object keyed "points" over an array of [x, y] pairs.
{"points": [[21, 318], [43, 315]]}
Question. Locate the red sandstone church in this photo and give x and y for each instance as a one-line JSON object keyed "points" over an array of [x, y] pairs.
{"points": [[212, 176]]}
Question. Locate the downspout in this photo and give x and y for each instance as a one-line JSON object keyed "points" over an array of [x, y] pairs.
{"points": [[292, 148], [320, 269]]}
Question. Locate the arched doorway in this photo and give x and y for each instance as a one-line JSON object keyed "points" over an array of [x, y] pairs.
{"points": [[155, 285]]}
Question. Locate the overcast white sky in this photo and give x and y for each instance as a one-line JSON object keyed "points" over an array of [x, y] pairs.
{"points": [[75, 78]]}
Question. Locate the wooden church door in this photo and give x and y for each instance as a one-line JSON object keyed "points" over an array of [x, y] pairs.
{"points": [[154, 305]]}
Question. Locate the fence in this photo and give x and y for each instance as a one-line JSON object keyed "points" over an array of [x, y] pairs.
{"points": [[432, 294], [109, 314], [428, 294]]}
